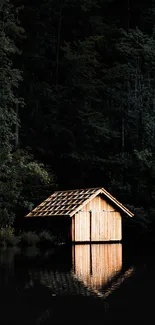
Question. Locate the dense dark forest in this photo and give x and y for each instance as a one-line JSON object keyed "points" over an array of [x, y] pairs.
{"points": [[77, 102]]}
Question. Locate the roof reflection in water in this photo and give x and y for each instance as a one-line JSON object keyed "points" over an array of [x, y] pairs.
{"points": [[96, 270]]}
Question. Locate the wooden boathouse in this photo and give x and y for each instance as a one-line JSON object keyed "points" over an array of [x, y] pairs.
{"points": [[82, 215]]}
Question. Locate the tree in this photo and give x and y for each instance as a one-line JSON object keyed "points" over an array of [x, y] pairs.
{"points": [[15, 165], [89, 94]]}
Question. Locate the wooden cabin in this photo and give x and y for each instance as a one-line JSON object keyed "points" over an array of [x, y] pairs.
{"points": [[83, 215]]}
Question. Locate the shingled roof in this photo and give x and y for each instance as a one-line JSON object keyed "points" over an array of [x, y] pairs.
{"points": [[71, 201]]}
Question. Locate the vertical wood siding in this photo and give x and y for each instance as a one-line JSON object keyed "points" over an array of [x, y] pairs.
{"points": [[106, 223], [82, 226]]}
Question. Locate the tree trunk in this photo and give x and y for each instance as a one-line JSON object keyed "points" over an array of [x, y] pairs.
{"points": [[17, 127], [123, 132], [153, 131], [58, 45], [128, 14]]}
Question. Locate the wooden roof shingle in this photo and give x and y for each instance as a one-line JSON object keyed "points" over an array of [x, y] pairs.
{"points": [[71, 201]]}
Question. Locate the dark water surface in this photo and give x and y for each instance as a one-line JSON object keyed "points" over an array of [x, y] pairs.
{"points": [[82, 284]]}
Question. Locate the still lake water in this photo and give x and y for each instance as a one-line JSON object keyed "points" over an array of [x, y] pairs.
{"points": [[85, 284]]}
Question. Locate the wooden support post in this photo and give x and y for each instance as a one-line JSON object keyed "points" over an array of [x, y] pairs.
{"points": [[91, 269], [73, 228], [90, 225]]}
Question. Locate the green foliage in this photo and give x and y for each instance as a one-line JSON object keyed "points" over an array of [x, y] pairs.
{"points": [[25, 239], [23, 181], [21, 176], [9, 82], [29, 238], [46, 239], [31, 177], [7, 237]]}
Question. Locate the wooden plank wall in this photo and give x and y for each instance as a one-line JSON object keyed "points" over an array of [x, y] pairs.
{"points": [[105, 225], [98, 204], [96, 265], [82, 226]]}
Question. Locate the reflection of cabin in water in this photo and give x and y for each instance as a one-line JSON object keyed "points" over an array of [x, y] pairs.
{"points": [[96, 271], [97, 265], [83, 215]]}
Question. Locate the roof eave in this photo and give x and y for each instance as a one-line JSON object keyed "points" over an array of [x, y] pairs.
{"points": [[98, 191]]}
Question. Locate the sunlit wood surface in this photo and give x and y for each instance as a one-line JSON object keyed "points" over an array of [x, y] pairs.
{"points": [[105, 224]]}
